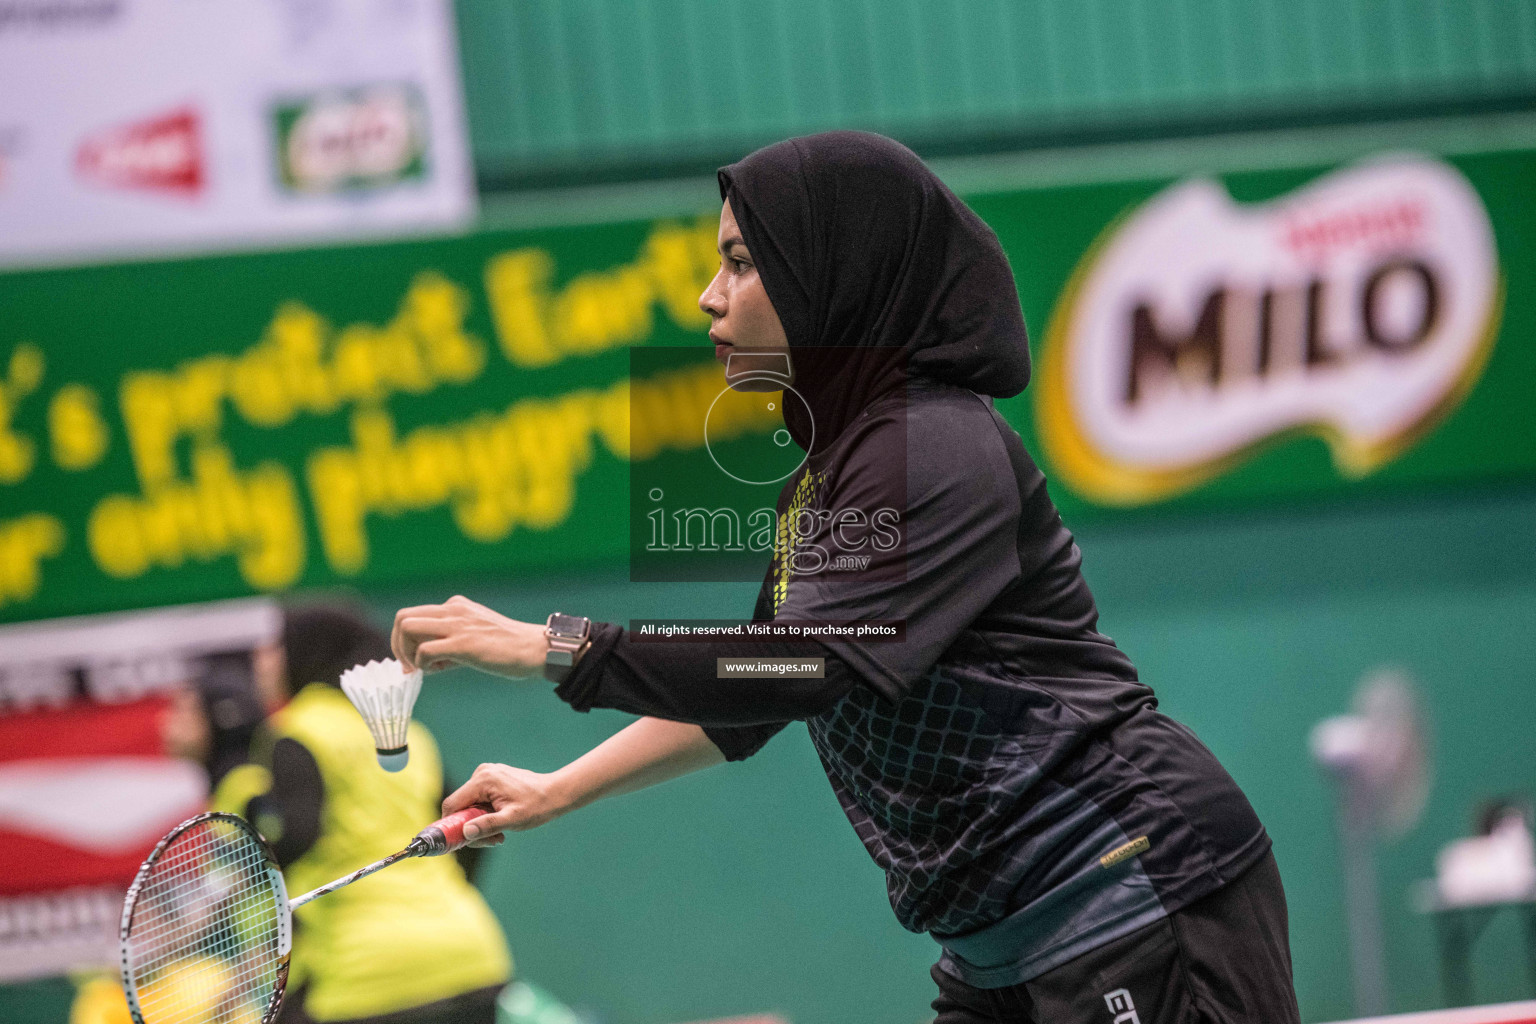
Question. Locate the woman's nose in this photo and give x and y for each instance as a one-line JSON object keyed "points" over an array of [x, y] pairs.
{"points": [[712, 301]]}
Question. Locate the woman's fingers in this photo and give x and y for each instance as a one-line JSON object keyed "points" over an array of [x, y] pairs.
{"points": [[461, 632], [426, 625], [475, 791], [411, 624], [493, 823], [420, 624], [480, 828], [435, 654], [519, 800], [397, 646]]}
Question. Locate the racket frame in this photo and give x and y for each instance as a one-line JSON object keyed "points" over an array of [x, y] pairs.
{"points": [[284, 912], [441, 837]]}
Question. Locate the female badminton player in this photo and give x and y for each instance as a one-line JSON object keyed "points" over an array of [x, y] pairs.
{"points": [[1078, 855]]}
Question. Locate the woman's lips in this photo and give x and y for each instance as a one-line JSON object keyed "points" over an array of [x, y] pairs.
{"points": [[721, 350]]}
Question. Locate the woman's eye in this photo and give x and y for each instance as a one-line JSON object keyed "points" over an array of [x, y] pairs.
{"points": [[738, 265]]}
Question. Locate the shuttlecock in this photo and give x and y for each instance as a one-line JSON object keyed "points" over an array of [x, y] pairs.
{"points": [[384, 696]]}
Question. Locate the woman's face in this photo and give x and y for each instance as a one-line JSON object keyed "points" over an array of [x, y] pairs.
{"points": [[748, 337]]}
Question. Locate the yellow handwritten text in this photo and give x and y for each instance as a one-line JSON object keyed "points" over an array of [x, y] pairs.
{"points": [[497, 471], [220, 511], [78, 433], [538, 325], [24, 373], [301, 366], [24, 543]]}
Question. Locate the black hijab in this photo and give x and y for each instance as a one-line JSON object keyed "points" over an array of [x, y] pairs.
{"points": [[877, 271]]}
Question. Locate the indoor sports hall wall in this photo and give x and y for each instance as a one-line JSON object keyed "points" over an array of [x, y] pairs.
{"points": [[1254, 601], [181, 430]]}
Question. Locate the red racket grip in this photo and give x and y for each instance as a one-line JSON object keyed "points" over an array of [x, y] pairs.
{"points": [[447, 834]]}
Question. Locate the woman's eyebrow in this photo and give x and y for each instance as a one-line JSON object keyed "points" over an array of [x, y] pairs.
{"points": [[725, 246]]}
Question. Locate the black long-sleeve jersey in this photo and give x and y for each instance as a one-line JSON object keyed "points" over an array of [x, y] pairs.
{"points": [[1002, 763]]}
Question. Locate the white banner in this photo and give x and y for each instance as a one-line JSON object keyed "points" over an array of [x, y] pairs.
{"points": [[88, 779], [154, 127]]}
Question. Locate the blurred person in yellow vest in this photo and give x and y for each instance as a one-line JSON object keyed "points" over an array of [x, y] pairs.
{"points": [[210, 720], [99, 1000], [416, 944]]}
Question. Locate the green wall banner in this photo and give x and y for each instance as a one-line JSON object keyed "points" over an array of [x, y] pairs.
{"points": [[176, 431], [1281, 334], [1360, 307], [180, 430]]}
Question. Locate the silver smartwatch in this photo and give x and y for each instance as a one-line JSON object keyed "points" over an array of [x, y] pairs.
{"points": [[569, 636]]}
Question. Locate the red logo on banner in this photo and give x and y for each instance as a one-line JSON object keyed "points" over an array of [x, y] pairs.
{"points": [[85, 791], [164, 154]]}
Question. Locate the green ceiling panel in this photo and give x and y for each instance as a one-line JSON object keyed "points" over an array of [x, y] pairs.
{"points": [[563, 90]]}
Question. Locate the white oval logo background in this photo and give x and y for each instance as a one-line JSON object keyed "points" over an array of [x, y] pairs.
{"points": [[1361, 307]]}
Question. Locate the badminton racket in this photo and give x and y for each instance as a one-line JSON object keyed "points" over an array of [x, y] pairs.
{"points": [[207, 925]]}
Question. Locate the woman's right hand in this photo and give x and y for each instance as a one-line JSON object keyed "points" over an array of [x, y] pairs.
{"points": [[464, 632], [521, 800]]}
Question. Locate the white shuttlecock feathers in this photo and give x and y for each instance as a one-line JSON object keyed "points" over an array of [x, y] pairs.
{"points": [[384, 695]]}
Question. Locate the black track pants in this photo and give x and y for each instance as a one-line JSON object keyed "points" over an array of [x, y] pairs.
{"points": [[1224, 959]]}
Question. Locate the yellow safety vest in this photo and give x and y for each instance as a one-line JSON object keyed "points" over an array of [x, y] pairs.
{"points": [[415, 932]]}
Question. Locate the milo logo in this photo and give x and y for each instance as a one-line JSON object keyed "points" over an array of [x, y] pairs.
{"points": [[1360, 308], [351, 140]]}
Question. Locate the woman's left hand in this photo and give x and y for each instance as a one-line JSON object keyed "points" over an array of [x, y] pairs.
{"points": [[463, 632], [520, 800]]}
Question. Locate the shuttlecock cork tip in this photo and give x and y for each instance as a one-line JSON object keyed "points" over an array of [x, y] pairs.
{"points": [[384, 695]]}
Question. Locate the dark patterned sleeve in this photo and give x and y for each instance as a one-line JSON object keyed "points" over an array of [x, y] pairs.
{"points": [[677, 681]]}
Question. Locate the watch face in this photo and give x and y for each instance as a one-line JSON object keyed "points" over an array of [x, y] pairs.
{"points": [[573, 626]]}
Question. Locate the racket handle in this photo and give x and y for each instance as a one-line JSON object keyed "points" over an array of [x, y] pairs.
{"points": [[447, 834]]}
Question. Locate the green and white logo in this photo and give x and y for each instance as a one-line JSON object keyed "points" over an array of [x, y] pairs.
{"points": [[351, 140]]}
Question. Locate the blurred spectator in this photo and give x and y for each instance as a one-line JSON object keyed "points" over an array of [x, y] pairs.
{"points": [[411, 945], [99, 1000], [213, 719]]}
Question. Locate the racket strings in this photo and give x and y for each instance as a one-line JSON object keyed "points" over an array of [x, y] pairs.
{"points": [[203, 943]]}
